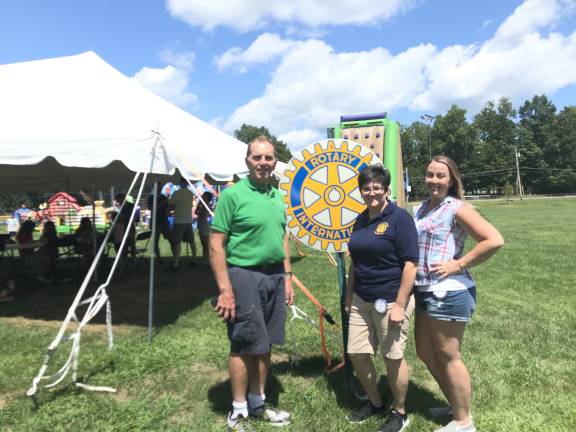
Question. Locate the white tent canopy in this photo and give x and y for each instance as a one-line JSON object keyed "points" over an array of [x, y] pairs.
{"points": [[87, 116]]}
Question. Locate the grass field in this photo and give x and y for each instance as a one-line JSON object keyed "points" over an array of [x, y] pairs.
{"points": [[520, 349]]}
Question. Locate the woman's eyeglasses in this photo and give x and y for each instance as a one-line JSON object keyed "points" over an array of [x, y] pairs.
{"points": [[375, 189]]}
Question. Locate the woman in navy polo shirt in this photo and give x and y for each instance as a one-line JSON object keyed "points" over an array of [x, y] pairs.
{"points": [[384, 252], [445, 291]]}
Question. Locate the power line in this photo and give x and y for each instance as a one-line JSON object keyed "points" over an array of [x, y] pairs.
{"points": [[485, 172], [548, 169]]}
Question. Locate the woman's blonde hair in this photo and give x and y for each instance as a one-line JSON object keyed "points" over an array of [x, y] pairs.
{"points": [[457, 188]]}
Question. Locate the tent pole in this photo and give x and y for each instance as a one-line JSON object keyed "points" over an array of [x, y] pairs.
{"points": [[152, 260], [94, 234]]}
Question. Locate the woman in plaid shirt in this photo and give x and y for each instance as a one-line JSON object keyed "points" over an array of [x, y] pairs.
{"points": [[445, 291]]}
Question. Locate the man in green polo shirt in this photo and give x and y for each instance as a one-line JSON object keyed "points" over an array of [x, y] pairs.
{"points": [[250, 259]]}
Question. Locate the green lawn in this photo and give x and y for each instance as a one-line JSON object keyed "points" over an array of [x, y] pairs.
{"points": [[520, 349]]}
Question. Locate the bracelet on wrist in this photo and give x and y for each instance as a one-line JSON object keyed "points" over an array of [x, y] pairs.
{"points": [[288, 273]]}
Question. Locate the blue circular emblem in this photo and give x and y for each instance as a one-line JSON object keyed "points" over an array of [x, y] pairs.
{"points": [[320, 189]]}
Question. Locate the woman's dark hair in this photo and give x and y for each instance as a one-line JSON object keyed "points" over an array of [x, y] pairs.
{"points": [[207, 196], [49, 230], [374, 173], [27, 227], [85, 224]]}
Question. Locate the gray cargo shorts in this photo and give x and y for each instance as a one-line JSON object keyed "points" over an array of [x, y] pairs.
{"points": [[260, 309]]}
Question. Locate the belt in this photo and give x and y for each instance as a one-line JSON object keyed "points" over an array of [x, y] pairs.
{"points": [[277, 267]]}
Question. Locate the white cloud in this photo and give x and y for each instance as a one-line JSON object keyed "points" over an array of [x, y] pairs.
{"points": [[519, 61], [529, 17], [299, 139], [170, 82], [182, 60], [312, 85], [248, 15], [265, 48]]}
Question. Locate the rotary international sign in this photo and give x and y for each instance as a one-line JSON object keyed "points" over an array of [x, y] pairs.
{"points": [[320, 189]]}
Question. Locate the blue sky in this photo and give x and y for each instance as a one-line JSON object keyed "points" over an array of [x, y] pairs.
{"points": [[296, 66]]}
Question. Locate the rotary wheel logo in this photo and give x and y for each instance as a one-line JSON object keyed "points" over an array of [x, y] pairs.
{"points": [[320, 188]]}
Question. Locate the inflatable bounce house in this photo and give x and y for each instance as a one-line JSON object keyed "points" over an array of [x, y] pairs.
{"points": [[382, 137], [63, 209]]}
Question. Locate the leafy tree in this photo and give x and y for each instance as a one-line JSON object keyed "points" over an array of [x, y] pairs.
{"points": [[415, 153], [496, 134], [565, 180], [9, 201], [566, 137], [455, 136], [539, 147], [247, 133]]}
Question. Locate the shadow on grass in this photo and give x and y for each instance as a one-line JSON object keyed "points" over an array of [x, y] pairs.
{"points": [[305, 367], [175, 293], [220, 395], [349, 391]]}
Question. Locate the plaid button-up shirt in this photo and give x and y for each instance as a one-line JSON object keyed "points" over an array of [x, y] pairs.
{"points": [[440, 238]]}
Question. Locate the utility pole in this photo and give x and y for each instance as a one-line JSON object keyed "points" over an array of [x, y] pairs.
{"points": [[519, 188]]}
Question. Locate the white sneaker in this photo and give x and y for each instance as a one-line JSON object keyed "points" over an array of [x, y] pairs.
{"points": [[274, 417], [453, 426], [239, 424]]}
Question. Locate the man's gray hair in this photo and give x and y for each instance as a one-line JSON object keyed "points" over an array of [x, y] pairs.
{"points": [[259, 139]]}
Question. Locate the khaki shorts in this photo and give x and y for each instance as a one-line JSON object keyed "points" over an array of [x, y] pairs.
{"points": [[369, 329]]}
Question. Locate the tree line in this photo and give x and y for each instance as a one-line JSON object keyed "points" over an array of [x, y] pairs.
{"points": [[485, 147]]}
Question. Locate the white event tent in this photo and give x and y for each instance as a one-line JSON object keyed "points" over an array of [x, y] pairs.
{"points": [[76, 122]]}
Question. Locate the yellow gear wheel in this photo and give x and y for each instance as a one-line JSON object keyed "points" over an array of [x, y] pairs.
{"points": [[320, 189]]}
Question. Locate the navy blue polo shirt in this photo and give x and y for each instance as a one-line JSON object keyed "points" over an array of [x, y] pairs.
{"points": [[379, 248]]}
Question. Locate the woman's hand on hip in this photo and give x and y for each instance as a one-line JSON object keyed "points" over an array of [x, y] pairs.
{"points": [[446, 268]]}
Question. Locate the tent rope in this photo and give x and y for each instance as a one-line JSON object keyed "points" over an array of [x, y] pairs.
{"points": [[95, 304]]}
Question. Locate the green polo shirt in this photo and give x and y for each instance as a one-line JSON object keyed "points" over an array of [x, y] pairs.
{"points": [[253, 218]]}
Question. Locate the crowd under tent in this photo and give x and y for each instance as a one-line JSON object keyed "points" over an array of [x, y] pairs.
{"points": [[77, 123]]}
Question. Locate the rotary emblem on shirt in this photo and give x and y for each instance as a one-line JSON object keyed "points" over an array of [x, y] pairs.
{"points": [[320, 189], [381, 228]]}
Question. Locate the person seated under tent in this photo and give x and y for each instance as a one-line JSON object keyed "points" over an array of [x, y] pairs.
{"points": [[122, 223], [39, 257]]}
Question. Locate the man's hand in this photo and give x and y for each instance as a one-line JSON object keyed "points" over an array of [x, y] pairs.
{"points": [[226, 306], [288, 290]]}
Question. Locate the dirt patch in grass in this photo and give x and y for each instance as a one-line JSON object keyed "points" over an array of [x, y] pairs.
{"points": [[121, 395], [55, 325], [206, 369], [7, 397]]}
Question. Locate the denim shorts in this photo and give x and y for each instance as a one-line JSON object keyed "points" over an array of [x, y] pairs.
{"points": [[454, 306]]}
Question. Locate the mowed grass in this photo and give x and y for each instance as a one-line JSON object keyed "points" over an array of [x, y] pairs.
{"points": [[520, 349]]}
